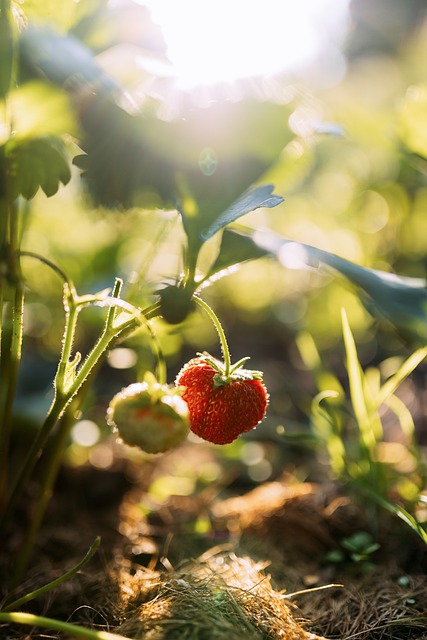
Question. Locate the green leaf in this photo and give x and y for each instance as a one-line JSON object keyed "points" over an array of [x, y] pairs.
{"points": [[120, 168], [36, 163], [400, 300], [328, 430], [64, 61], [402, 514], [404, 416], [390, 386], [235, 248], [357, 386], [219, 151], [248, 201]]}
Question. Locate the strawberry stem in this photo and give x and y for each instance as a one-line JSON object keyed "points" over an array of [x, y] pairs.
{"points": [[221, 334]]}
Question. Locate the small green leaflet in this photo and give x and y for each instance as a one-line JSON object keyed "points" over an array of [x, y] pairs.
{"points": [[34, 163], [248, 201]]}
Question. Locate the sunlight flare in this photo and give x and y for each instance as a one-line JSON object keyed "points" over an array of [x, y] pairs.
{"points": [[211, 42]]}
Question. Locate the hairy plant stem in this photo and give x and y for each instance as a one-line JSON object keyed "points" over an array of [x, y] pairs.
{"points": [[69, 381], [9, 244], [59, 442], [221, 334]]}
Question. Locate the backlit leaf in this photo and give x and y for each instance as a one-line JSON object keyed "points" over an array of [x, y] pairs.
{"points": [[249, 201], [400, 300], [235, 248]]}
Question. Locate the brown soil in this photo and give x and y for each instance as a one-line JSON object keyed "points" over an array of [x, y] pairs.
{"points": [[227, 561]]}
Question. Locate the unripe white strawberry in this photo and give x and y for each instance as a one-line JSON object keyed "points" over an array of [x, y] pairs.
{"points": [[149, 415]]}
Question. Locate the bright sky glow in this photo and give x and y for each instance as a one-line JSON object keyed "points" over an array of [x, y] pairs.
{"points": [[212, 41]]}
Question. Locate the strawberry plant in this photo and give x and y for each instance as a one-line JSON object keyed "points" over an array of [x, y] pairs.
{"points": [[63, 113], [38, 116]]}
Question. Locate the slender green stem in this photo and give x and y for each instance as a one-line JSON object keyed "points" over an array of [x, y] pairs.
{"points": [[32, 457], [112, 312], [161, 370], [12, 359], [8, 235], [221, 334], [72, 311], [55, 583], [50, 472], [48, 263], [12, 371], [151, 312], [72, 630], [104, 342], [191, 267]]}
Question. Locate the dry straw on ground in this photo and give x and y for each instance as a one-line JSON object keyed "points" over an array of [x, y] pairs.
{"points": [[217, 597]]}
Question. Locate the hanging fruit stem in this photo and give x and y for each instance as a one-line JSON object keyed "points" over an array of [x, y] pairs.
{"points": [[218, 326]]}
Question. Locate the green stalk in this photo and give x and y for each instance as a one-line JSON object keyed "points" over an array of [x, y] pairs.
{"points": [[49, 475], [13, 367], [161, 369], [72, 630], [65, 391], [57, 406], [48, 263], [55, 583], [221, 334], [12, 359], [72, 311], [32, 457], [7, 243]]}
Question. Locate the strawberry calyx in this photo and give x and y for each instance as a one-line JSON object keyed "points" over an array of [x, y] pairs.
{"points": [[236, 373], [156, 391]]}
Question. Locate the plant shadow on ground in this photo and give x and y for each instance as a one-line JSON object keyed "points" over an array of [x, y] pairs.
{"points": [[224, 562]]}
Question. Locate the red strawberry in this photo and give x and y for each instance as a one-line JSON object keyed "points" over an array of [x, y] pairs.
{"points": [[222, 407]]}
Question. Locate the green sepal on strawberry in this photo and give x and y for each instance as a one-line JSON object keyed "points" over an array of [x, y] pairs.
{"points": [[222, 406], [149, 415]]}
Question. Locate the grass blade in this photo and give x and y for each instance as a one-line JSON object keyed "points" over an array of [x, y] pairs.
{"points": [[403, 372]]}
